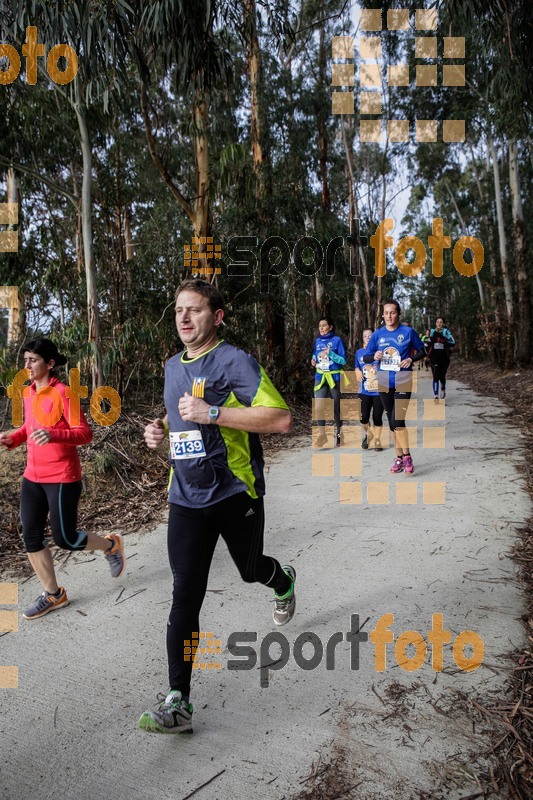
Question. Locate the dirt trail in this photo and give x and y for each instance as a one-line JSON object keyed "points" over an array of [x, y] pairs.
{"points": [[87, 672]]}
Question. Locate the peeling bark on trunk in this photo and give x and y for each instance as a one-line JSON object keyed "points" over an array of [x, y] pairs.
{"points": [[201, 204], [253, 60]]}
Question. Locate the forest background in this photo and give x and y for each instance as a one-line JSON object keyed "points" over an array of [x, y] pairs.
{"points": [[214, 119]]}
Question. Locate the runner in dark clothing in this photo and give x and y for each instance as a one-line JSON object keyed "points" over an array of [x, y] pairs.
{"points": [[441, 344]]}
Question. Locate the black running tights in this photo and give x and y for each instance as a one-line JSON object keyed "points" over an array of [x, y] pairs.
{"points": [[439, 370], [192, 537], [61, 501], [395, 404], [335, 393]]}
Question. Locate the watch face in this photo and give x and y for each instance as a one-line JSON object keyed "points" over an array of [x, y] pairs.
{"points": [[213, 412]]}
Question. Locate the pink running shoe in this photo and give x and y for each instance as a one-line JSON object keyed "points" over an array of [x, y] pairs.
{"points": [[408, 464], [398, 464]]}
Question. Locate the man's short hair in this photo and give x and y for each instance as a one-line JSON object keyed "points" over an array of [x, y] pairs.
{"points": [[206, 289]]}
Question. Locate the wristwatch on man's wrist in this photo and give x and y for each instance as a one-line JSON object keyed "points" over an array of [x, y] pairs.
{"points": [[213, 413]]}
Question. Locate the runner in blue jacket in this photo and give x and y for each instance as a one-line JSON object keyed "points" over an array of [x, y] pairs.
{"points": [[367, 375], [329, 356], [396, 347]]}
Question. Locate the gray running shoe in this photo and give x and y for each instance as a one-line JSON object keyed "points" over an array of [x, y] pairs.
{"points": [[173, 715], [285, 606], [45, 603], [115, 557]]}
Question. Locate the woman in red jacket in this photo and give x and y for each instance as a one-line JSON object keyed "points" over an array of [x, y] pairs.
{"points": [[52, 478]]}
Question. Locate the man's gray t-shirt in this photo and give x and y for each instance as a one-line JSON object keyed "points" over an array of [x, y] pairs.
{"points": [[229, 461]]}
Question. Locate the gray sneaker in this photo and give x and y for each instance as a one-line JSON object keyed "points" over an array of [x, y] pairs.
{"points": [[45, 603], [173, 715], [115, 557], [285, 605]]}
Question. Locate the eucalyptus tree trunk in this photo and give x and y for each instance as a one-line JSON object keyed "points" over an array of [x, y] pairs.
{"points": [[465, 229], [197, 210], [322, 89], [523, 353], [487, 224], [200, 217], [274, 303], [320, 293], [253, 61], [507, 288], [93, 316], [356, 250]]}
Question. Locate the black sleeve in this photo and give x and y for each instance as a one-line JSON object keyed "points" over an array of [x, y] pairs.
{"points": [[419, 354]]}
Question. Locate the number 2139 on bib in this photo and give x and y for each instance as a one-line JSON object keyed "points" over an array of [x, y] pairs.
{"points": [[186, 444]]}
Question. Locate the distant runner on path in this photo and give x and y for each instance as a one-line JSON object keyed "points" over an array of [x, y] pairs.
{"points": [[440, 348], [218, 399], [396, 347], [52, 478], [329, 356], [426, 340], [367, 375]]}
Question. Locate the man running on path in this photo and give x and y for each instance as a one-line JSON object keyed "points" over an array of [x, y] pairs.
{"points": [[218, 399]]}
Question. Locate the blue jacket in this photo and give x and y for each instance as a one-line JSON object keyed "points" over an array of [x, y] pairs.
{"points": [[330, 356]]}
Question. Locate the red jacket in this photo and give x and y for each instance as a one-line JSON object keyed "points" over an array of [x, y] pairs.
{"points": [[58, 460]]}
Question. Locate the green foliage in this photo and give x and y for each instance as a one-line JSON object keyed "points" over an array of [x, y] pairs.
{"points": [[182, 48], [104, 460]]}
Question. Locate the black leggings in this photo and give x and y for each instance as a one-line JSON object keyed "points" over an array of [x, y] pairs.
{"points": [[439, 370], [335, 393], [372, 403], [61, 500], [395, 404], [192, 537]]}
